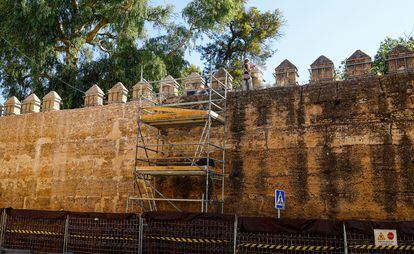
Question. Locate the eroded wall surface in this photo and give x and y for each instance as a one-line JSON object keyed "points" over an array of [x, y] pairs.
{"points": [[340, 150]]}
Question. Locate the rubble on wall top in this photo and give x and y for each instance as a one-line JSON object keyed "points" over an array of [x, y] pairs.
{"points": [[32, 98], [193, 75], [95, 89], [286, 64], [12, 100], [52, 95], [143, 82], [358, 54], [169, 78], [322, 61], [221, 72], [400, 50], [118, 86]]}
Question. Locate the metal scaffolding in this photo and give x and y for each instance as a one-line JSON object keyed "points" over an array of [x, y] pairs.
{"points": [[200, 117]]}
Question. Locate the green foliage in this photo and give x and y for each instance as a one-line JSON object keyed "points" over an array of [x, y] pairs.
{"points": [[47, 44], [249, 35], [211, 15], [379, 65], [68, 45], [340, 72], [190, 69]]}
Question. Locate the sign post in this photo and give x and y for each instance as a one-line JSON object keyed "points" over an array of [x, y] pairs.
{"points": [[280, 201]]}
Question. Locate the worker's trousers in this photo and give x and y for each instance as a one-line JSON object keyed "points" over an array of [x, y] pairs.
{"points": [[248, 85]]}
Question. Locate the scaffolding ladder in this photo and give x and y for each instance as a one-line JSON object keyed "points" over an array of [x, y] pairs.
{"points": [[201, 154]]}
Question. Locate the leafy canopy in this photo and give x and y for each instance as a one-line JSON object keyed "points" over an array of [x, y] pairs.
{"points": [[68, 45], [379, 65], [249, 35]]}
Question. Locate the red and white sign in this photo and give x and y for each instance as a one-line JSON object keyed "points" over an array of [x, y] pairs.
{"points": [[385, 237]]}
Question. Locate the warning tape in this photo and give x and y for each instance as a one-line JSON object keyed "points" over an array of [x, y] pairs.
{"points": [[33, 232], [287, 247], [219, 241], [382, 247], [41, 232], [187, 240]]}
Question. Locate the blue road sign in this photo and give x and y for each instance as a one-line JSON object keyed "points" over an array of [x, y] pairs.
{"points": [[280, 199]]}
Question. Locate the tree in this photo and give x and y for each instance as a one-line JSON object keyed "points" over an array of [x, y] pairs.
{"points": [[45, 43], [190, 69], [249, 35], [379, 65], [68, 45]]}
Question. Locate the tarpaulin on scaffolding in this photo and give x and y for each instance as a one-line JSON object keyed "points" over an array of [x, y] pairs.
{"points": [[367, 227], [289, 226], [186, 216]]}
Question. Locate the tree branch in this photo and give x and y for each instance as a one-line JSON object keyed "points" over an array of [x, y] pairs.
{"points": [[61, 48], [44, 74], [108, 35], [99, 45], [185, 38], [128, 6], [92, 34], [75, 6]]}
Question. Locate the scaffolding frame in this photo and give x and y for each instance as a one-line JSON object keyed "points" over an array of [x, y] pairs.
{"points": [[203, 157], [396, 61]]}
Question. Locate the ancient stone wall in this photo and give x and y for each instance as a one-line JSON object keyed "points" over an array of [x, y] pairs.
{"points": [[340, 150]]}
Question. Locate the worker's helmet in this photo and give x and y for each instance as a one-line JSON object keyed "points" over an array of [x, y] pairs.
{"points": [[246, 60]]}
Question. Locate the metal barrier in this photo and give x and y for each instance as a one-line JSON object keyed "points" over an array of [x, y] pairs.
{"points": [[360, 237], [267, 235], [33, 230], [163, 232], [188, 233], [100, 233]]}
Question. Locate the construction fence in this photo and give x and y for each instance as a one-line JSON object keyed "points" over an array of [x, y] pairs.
{"points": [[30, 231]]}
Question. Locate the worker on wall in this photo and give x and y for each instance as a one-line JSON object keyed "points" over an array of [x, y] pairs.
{"points": [[247, 78]]}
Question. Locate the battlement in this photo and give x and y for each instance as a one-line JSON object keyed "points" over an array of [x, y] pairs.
{"points": [[357, 66]]}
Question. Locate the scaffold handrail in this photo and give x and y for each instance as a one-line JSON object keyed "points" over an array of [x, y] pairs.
{"points": [[174, 107]]}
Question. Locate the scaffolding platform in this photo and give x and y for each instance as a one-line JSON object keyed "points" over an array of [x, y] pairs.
{"points": [[200, 153], [178, 170], [168, 117]]}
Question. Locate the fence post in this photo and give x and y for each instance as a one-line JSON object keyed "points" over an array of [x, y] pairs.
{"points": [[3, 221], [235, 234], [66, 235], [141, 234], [345, 239]]}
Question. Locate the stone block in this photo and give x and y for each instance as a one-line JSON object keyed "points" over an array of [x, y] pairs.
{"points": [[94, 96], [12, 106], [322, 70], [286, 74], [222, 79], [51, 101], [194, 83], [400, 59], [118, 94], [169, 87], [257, 78], [142, 89], [31, 104], [358, 65]]}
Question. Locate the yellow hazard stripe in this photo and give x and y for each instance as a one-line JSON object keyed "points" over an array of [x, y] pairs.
{"points": [[42, 232], [188, 240], [382, 247], [287, 247], [33, 232]]}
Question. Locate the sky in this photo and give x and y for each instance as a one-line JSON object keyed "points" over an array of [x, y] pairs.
{"points": [[334, 28]]}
